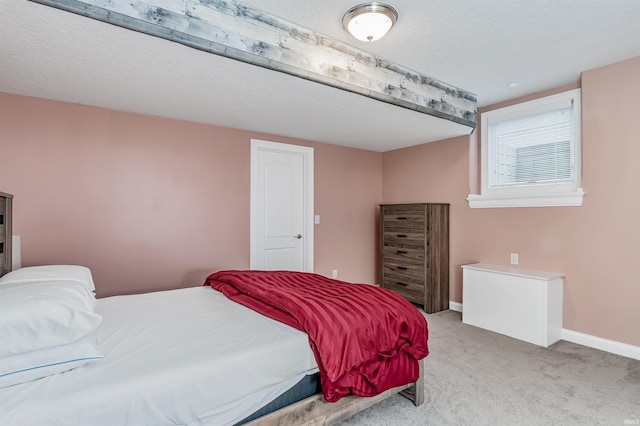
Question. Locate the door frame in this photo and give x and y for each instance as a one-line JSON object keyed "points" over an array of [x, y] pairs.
{"points": [[308, 197]]}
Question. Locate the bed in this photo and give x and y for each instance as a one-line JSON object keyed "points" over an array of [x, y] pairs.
{"points": [[139, 380], [186, 356]]}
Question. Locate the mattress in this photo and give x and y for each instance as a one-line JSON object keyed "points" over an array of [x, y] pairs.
{"points": [[187, 356]]}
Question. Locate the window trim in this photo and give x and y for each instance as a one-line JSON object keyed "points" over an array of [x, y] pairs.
{"points": [[531, 195]]}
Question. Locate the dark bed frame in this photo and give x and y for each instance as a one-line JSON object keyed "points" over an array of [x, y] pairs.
{"points": [[314, 410], [5, 232]]}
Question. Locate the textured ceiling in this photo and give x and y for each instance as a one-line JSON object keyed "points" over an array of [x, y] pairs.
{"points": [[480, 46]]}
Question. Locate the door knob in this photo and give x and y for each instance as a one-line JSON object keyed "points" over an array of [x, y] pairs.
{"points": [[297, 236]]}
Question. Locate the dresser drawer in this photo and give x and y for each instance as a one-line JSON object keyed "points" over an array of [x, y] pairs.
{"points": [[411, 291], [404, 276], [409, 240], [403, 270], [402, 209], [406, 255], [406, 223]]}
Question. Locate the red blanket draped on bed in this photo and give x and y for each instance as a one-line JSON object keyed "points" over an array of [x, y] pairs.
{"points": [[365, 339]]}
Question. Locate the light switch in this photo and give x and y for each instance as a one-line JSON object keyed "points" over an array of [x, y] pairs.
{"points": [[317, 219]]}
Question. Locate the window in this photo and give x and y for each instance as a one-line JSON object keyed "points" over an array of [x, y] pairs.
{"points": [[531, 154]]}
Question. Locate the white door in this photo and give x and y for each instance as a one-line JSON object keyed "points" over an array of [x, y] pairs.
{"points": [[281, 206]]}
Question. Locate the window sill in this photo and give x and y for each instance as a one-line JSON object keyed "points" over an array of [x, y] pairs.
{"points": [[533, 200]]}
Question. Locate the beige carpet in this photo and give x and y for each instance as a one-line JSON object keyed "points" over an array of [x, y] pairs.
{"points": [[476, 377]]}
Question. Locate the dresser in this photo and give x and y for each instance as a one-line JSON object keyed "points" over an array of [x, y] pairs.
{"points": [[5, 232], [414, 253]]}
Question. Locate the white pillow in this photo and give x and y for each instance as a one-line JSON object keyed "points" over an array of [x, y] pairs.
{"points": [[41, 315], [29, 274], [22, 368]]}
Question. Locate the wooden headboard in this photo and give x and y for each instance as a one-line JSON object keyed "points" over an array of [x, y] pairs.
{"points": [[6, 201]]}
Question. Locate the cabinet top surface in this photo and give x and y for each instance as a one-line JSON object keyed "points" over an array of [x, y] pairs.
{"points": [[513, 270], [5, 195]]}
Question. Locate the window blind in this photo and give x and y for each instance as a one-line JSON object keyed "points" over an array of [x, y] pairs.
{"points": [[533, 149]]}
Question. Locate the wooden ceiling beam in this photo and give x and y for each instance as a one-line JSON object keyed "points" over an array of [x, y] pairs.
{"points": [[233, 30]]}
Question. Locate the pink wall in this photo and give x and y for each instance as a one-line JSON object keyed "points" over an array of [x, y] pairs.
{"points": [[150, 203], [437, 172], [596, 245]]}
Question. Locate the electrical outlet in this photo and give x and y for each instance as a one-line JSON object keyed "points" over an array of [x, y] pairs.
{"points": [[334, 273], [514, 258]]}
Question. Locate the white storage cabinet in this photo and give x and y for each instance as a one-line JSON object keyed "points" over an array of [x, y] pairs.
{"points": [[519, 303]]}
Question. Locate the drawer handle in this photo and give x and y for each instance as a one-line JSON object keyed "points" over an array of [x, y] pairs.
{"points": [[401, 252], [401, 236], [402, 268], [402, 284], [402, 218], [1, 248]]}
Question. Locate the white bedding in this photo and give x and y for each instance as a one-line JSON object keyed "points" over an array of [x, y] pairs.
{"points": [[188, 356]]}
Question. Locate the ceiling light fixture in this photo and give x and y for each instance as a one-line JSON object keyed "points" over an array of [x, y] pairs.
{"points": [[369, 21]]}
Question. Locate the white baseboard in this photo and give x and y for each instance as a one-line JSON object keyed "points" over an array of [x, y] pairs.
{"points": [[455, 306], [612, 346], [606, 345]]}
